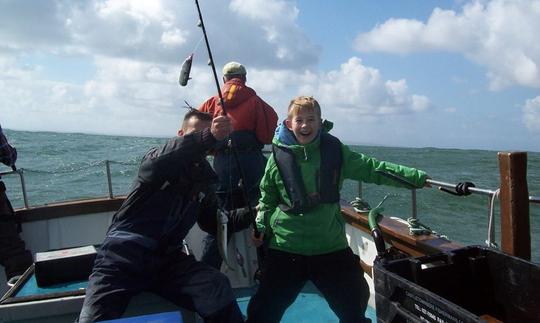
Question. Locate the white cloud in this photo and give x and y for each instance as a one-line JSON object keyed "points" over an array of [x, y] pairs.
{"points": [[135, 49], [501, 35], [163, 31], [125, 97], [358, 90], [420, 103], [531, 114], [142, 98], [173, 37], [353, 92]]}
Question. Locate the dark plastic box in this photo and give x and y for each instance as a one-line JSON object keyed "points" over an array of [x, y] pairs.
{"points": [[472, 284], [65, 265]]}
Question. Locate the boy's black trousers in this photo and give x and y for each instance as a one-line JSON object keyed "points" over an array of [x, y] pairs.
{"points": [[337, 275]]}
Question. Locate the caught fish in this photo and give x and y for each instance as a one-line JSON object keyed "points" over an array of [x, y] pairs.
{"points": [[186, 69], [222, 220], [240, 262]]}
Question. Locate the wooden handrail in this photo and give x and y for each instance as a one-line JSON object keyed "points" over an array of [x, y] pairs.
{"points": [[397, 234]]}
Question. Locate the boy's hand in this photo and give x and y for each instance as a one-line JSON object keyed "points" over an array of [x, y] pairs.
{"points": [[257, 241], [221, 127]]}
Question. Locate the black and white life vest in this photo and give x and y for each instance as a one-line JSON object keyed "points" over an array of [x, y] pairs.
{"points": [[327, 176]]}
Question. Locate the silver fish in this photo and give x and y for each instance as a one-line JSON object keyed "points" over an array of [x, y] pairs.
{"points": [[222, 220]]}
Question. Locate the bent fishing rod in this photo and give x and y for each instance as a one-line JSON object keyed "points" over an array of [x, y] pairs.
{"points": [[183, 80]]}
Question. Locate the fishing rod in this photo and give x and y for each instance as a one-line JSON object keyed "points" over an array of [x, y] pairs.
{"points": [[186, 65], [201, 24], [184, 77]]}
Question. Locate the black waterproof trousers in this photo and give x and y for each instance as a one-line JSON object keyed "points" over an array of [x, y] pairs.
{"points": [[123, 268], [337, 275]]}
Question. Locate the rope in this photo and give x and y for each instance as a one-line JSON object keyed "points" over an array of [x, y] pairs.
{"points": [[461, 189], [418, 228], [490, 241], [124, 163], [360, 205], [66, 170]]}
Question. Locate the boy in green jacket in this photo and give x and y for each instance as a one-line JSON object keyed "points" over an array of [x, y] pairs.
{"points": [[300, 218]]}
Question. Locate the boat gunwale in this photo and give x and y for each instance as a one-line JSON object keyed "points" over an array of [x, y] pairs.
{"points": [[69, 208], [395, 233]]}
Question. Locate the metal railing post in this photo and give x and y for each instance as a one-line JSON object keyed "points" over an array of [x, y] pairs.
{"points": [[414, 209], [109, 181], [490, 241], [23, 187]]}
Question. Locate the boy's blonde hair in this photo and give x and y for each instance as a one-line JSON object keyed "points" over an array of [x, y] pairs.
{"points": [[303, 103]]}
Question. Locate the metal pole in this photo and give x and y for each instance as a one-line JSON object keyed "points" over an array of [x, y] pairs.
{"points": [[490, 241], [414, 209], [109, 181], [201, 21], [23, 187], [231, 146], [452, 186]]}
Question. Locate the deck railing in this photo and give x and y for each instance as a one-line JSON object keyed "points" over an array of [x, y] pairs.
{"points": [[474, 190], [434, 183], [19, 172], [492, 194]]}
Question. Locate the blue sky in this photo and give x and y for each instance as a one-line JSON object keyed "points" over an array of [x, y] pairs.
{"points": [[417, 73]]}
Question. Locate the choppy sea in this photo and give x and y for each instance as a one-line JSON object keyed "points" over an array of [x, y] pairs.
{"points": [[65, 166]]}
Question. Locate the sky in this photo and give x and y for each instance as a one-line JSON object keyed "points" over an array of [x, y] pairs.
{"points": [[417, 73]]}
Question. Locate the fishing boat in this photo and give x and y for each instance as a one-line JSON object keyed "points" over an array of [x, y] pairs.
{"points": [[409, 279], [414, 274]]}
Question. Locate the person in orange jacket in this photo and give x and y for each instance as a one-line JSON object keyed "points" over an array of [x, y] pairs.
{"points": [[254, 122]]}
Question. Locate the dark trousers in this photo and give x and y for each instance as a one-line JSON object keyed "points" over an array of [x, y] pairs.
{"points": [[123, 269], [337, 275], [13, 255]]}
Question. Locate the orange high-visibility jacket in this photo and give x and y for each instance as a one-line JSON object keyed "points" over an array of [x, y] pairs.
{"points": [[246, 110]]}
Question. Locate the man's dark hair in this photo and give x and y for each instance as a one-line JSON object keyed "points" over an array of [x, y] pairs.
{"points": [[194, 113], [203, 116]]}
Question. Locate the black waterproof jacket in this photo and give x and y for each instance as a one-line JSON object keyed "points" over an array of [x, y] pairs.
{"points": [[173, 189]]}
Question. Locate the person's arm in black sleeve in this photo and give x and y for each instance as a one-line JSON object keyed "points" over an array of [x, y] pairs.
{"points": [[8, 154], [169, 161], [207, 219]]}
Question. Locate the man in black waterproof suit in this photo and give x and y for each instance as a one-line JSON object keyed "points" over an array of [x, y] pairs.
{"points": [[13, 255], [142, 249]]}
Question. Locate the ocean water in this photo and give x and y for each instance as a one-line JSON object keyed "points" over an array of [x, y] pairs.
{"points": [[61, 166]]}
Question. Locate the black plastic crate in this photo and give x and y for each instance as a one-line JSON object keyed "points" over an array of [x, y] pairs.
{"points": [[472, 284], [64, 265]]}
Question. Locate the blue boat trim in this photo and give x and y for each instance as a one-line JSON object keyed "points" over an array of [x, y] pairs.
{"points": [[167, 317], [309, 307]]}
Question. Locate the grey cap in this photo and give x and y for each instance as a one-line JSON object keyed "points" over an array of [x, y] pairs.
{"points": [[234, 68]]}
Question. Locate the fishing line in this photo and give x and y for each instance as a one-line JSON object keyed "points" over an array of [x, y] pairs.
{"points": [[223, 107], [231, 146], [198, 44]]}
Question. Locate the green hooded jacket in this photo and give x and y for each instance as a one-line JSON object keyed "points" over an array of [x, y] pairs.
{"points": [[322, 229]]}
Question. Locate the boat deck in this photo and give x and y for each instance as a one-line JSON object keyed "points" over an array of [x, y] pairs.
{"points": [[309, 306]]}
